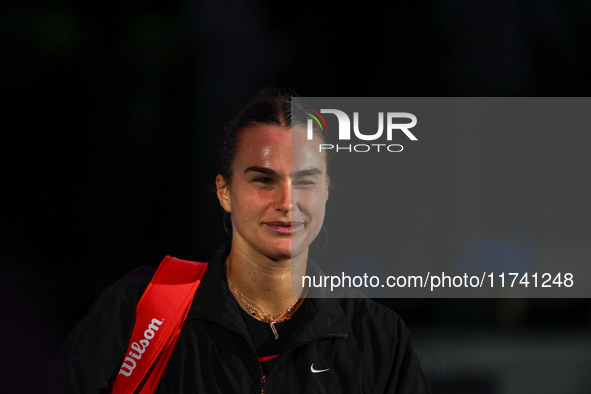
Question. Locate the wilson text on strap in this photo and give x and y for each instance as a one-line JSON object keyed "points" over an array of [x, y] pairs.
{"points": [[160, 315]]}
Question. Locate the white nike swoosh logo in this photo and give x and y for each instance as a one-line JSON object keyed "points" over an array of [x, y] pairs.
{"points": [[317, 370]]}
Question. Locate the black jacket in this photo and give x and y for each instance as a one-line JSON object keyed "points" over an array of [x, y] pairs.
{"points": [[365, 346]]}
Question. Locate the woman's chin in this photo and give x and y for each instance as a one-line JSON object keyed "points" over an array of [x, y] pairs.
{"points": [[286, 253], [279, 251]]}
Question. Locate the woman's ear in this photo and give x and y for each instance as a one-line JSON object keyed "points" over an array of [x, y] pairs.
{"points": [[223, 192]]}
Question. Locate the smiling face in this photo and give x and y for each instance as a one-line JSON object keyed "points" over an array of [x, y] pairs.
{"points": [[276, 194]]}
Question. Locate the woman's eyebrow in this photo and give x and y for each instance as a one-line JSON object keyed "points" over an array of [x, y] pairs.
{"points": [[307, 172], [270, 172], [263, 170]]}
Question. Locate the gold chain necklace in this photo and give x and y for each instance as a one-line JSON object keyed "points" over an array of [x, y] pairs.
{"points": [[271, 318]]}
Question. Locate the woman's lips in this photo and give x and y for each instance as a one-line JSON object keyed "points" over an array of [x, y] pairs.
{"points": [[284, 228]]}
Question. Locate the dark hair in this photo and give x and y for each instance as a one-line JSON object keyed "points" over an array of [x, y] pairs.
{"points": [[272, 106]]}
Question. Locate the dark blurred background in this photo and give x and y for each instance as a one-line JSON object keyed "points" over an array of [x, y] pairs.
{"points": [[112, 119]]}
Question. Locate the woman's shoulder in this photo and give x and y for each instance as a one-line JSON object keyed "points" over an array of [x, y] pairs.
{"points": [[366, 314], [131, 286], [367, 318], [126, 291], [119, 299]]}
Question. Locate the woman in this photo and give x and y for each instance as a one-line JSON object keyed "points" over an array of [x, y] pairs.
{"points": [[245, 332]]}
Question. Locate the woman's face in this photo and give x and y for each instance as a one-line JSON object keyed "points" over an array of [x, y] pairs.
{"points": [[277, 194]]}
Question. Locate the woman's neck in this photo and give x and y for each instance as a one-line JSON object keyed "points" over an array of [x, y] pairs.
{"points": [[264, 282]]}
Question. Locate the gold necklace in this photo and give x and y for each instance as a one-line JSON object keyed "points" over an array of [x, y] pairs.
{"points": [[271, 318]]}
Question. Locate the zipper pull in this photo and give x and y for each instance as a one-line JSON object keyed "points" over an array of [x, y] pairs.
{"points": [[272, 324], [263, 381]]}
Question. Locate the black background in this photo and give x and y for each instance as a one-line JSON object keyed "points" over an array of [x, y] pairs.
{"points": [[113, 114]]}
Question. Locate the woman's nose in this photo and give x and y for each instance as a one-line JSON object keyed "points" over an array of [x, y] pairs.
{"points": [[284, 198]]}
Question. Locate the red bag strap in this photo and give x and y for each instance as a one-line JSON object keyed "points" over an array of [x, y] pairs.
{"points": [[160, 315]]}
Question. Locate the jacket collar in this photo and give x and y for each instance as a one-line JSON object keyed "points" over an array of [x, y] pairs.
{"points": [[323, 317]]}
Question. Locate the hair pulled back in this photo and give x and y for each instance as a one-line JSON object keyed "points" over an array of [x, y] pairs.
{"points": [[272, 106]]}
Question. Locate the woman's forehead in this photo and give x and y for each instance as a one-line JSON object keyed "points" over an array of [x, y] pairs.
{"points": [[264, 140], [275, 146], [305, 153]]}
